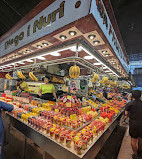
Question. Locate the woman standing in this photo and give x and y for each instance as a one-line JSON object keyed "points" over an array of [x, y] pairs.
{"points": [[47, 90], [5, 107], [134, 108]]}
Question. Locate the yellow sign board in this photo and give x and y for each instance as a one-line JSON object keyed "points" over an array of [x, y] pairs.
{"points": [[73, 117]]}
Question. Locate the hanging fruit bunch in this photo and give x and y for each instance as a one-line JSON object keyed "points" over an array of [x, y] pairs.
{"points": [[113, 83], [95, 78], [32, 76], [119, 86], [126, 86], [8, 76], [20, 75], [104, 81], [74, 71]]}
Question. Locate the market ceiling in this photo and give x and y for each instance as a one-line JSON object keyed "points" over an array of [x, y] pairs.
{"points": [[11, 11], [128, 14]]}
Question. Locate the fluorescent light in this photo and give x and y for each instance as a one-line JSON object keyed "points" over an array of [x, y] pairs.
{"points": [[20, 62], [9, 66], [41, 58], [29, 60], [97, 63], [97, 59], [88, 57], [73, 48], [107, 71], [55, 54]]}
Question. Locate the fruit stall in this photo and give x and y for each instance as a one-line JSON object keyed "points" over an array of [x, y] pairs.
{"points": [[81, 60], [72, 132]]}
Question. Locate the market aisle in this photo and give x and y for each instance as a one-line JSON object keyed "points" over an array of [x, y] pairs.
{"points": [[125, 150]]}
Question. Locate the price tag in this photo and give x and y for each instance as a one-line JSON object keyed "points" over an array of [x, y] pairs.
{"points": [[73, 117], [69, 97], [56, 110], [68, 104]]}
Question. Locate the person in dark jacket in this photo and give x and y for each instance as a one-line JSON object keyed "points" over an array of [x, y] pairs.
{"points": [[5, 107], [105, 94], [134, 109]]}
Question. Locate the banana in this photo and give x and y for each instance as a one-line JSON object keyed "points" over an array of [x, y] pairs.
{"points": [[77, 71], [71, 72], [23, 77], [74, 71], [32, 76], [8, 76], [19, 74]]}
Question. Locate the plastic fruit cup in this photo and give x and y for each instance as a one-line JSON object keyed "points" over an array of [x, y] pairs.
{"points": [[56, 136], [62, 138], [51, 133], [68, 142], [85, 142], [79, 147], [48, 129]]}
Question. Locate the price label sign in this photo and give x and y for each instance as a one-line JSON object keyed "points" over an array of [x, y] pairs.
{"points": [[56, 110], [68, 104], [73, 117], [69, 97]]}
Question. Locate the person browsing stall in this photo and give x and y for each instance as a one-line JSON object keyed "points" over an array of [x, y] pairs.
{"points": [[23, 85], [105, 94], [133, 110], [9, 108], [47, 90]]}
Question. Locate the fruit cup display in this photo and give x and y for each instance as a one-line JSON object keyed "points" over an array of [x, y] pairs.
{"points": [[78, 147], [68, 141]]}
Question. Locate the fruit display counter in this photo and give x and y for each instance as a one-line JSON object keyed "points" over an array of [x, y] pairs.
{"points": [[67, 127]]}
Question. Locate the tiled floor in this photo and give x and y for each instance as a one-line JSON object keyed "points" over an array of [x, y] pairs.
{"points": [[111, 148], [125, 150]]}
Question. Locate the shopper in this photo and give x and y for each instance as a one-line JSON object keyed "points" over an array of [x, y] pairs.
{"points": [[47, 90], [105, 94], [5, 107], [134, 108], [125, 96], [23, 86]]}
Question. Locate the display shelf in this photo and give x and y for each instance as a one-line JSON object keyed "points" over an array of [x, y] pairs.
{"points": [[84, 124], [58, 150]]}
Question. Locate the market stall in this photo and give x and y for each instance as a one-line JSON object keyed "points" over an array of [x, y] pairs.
{"points": [[82, 62]]}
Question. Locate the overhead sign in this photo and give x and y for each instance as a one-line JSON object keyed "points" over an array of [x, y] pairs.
{"points": [[100, 14], [55, 16]]}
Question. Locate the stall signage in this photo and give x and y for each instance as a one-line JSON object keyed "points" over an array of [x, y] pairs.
{"points": [[100, 14], [55, 16]]}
